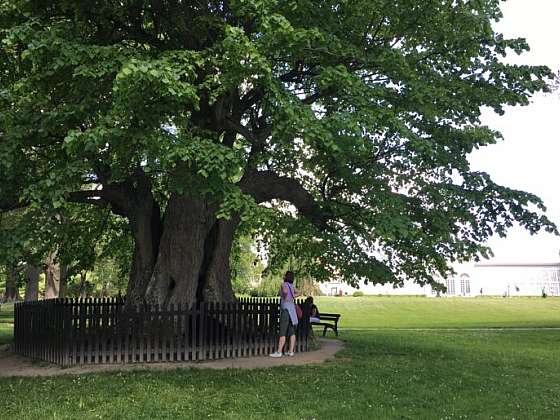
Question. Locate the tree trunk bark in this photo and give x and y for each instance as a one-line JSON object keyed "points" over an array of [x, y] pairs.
{"points": [[51, 278], [146, 226], [55, 278], [82, 287], [32, 273], [192, 262], [11, 293], [188, 222], [217, 286], [62, 280]]}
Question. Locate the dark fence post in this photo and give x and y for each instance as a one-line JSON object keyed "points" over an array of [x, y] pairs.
{"points": [[16, 348], [66, 332]]}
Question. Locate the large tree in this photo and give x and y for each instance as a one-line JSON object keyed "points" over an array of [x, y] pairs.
{"points": [[343, 126]]}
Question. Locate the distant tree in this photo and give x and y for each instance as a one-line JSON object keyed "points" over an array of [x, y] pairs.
{"points": [[555, 84], [11, 291], [346, 124], [32, 273]]}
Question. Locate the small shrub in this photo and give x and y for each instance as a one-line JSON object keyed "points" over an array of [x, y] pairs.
{"points": [[358, 293]]}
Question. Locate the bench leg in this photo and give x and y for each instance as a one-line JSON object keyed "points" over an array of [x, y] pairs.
{"points": [[336, 331], [325, 331]]}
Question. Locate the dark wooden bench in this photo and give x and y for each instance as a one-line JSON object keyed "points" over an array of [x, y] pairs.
{"points": [[328, 321]]}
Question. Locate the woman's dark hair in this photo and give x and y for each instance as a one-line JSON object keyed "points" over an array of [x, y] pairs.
{"points": [[289, 276], [309, 300]]}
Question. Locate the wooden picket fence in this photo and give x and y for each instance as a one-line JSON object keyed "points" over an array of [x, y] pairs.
{"points": [[86, 331]]}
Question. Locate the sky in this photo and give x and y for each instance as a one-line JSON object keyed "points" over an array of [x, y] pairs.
{"points": [[529, 156]]}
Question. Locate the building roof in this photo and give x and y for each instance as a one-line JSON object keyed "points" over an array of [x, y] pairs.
{"points": [[540, 265]]}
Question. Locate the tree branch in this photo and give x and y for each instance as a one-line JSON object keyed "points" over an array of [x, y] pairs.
{"points": [[309, 100], [267, 185], [242, 130], [87, 197], [249, 99], [11, 204], [257, 137]]}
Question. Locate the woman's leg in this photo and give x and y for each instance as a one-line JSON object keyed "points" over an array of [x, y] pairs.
{"points": [[292, 343], [284, 328], [281, 342]]}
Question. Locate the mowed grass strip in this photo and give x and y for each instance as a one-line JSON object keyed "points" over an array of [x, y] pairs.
{"points": [[6, 333], [423, 312], [382, 374], [6, 323], [7, 313]]}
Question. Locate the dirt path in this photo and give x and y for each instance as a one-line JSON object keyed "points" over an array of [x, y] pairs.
{"points": [[14, 365]]}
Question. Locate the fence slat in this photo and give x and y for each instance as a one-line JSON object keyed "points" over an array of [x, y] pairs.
{"points": [[203, 330], [184, 330], [194, 332]]}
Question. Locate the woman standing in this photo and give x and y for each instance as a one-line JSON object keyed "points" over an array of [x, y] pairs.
{"points": [[288, 315]]}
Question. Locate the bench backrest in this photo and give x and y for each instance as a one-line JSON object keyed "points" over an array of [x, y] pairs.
{"points": [[327, 316]]}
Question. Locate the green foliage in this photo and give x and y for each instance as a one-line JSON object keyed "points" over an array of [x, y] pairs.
{"points": [[369, 107], [358, 293], [84, 240], [251, 276], [108, 279], [269, 286], [246, 266]]}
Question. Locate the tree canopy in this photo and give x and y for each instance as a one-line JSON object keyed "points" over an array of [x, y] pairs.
{"points": [[334, 130]]}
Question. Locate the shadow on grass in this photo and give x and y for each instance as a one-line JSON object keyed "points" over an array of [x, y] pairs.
{"points": [[381, 374]]}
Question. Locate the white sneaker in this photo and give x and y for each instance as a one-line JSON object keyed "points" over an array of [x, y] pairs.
{"points": [[276, 354], [290, 353]]}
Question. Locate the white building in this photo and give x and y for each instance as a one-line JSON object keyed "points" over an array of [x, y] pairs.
{"points": [[489, 279]]}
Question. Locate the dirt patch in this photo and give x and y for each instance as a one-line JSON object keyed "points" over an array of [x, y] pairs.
{"points": [[14, 365]]}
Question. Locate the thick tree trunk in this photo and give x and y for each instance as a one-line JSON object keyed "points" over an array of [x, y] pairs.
{"points": [[11, 293], [181, 251], [192, 261], [185, 258], [146, 226], [217, 286], [32, 273]]}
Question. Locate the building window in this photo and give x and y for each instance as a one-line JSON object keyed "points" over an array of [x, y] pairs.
{"points": [[465, 285], [450, 283], [554, 283]]}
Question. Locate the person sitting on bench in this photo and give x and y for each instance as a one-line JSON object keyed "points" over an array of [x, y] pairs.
{"points": [[314, 316]]}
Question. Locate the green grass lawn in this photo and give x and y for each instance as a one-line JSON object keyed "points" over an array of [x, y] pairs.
{"points": [[421, 312], [6, 323], [382, 374]]}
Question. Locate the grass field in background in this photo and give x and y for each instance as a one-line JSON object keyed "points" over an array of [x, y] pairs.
{"points": [[6, 323], [423, 312], [382, 373]]}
